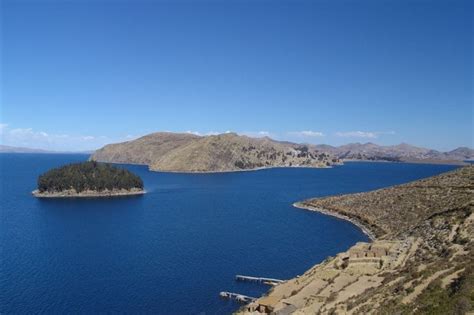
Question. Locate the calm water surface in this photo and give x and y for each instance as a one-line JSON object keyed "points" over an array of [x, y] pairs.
{"points": [[174, 249]]}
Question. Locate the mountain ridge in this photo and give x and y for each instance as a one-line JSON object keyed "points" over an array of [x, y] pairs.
{"points": [[402, 152], [368, 151], [186, 152], [15, 149]]}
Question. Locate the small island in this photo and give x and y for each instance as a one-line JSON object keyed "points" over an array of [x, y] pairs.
{"points": [[88, 179]]}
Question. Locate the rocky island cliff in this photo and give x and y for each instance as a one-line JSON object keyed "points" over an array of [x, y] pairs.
{"points": [[181, 152], [88, 179], [421, 260]]}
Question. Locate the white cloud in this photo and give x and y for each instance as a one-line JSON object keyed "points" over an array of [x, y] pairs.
{"points": [[363, 134], [2, 127], [212, 133], [196, 133], [257, 134], [208, 133], [28, 137], [356, 134], [254, 134], [307, 133]]}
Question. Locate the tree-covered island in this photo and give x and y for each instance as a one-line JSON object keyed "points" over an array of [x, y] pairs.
{"points": [[88, 179]]}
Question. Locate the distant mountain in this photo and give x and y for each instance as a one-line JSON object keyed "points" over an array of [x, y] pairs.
{"points": [[461, 153], [11, 149], [401, 152], [164, 151]]}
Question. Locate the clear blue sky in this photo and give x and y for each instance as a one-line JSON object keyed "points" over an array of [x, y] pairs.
{"points": [[78, 74]]}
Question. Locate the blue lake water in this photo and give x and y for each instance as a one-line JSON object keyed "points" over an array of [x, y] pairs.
{"points": [[174, 249]]}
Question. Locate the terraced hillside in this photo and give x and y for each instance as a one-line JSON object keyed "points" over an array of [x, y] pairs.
{"points": [[420, 262]]}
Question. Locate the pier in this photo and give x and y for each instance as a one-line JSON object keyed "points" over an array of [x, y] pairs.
{"points": [[269, 281], [238, 297]]}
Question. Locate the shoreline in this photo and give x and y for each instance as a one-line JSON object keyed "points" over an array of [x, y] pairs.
{"points": [[426, 162], [367, 231], [242, 170], [217, 172], [88, 194]]}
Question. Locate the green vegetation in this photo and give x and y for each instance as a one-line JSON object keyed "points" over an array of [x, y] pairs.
{"points": [[457, 298], [88, 176]]}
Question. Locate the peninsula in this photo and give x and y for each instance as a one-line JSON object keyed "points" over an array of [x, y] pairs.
{"points": [[88, 179], [183, 152], [420, 261]]}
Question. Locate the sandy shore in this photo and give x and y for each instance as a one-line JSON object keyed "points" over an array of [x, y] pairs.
{"points": [[89, 193], [357, 223]]}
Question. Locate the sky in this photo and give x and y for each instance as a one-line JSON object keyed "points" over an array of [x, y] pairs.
{"points": [[76, 75]]}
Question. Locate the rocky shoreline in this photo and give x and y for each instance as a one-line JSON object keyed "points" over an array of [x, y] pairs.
{"points": [[366, 230], [71, 193]]}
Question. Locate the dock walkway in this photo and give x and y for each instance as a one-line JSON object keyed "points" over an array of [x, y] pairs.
{"points": [[269, 281], [238, 297]]}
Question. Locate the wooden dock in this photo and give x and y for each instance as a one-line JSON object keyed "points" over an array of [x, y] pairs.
{"points": [[269, 281], [238, 297]]}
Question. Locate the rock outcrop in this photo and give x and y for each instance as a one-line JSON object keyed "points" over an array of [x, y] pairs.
{"points": [[217, 153]]}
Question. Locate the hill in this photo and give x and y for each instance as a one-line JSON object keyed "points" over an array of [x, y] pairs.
{"points": [[402, 153], [420, 261], [88, 179], [217, 153]]}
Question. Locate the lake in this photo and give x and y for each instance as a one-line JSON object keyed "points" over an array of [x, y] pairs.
{"points": [[174, 249]]}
